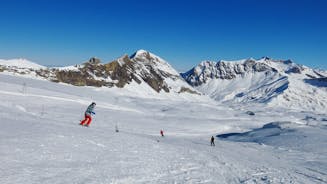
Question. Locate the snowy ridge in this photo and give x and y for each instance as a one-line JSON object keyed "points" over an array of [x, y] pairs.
{"points": [[21, 63]]}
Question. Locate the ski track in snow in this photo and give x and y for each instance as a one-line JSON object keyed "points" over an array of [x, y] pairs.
{"points": [[41, 141], [84, 102]]}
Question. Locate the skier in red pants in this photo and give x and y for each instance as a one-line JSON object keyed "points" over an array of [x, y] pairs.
{"points": [[88, 113]]}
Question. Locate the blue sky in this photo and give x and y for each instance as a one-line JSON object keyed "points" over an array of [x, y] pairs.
{"points": [[65, 32]]}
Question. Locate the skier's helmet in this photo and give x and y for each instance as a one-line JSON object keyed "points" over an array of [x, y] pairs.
{"points": [[93, 103]]}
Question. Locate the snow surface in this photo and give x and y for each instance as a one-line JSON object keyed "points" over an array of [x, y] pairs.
{"points": [[67, 68], [41, 141]]}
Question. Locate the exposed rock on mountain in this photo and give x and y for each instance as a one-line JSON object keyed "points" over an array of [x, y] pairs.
{"points": [[143, 68]]}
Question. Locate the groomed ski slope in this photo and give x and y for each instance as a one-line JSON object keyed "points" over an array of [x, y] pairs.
{"points": [[41, 141]]}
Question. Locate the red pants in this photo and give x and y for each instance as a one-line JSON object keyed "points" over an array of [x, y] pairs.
{"points": [[87, 120]]}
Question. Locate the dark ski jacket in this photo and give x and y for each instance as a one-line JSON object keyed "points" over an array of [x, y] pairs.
{"points": [[212, 139]]}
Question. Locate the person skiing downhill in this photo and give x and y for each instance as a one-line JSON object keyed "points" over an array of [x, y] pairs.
{"points": [[161, 133], [88, 113], [212, 141]]}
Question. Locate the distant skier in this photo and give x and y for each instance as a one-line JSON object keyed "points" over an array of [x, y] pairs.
{"points": [[116, 129], [161, 133], [88, 114], [212, 141]]}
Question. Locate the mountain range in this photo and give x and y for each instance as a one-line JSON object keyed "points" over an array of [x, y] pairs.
{"points": [[248, 81]]}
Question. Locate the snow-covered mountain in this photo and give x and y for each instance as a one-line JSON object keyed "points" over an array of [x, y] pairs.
{"points": [[273, 82], [141, 71], [266, 81]]}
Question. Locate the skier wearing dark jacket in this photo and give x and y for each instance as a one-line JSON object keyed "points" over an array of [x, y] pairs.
{"points": [[212, 141], [88, 113], [161, 133]]}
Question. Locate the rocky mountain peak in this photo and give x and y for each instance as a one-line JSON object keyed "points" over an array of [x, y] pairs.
{"points": [[226, 70], [265, 58], [94, 61], [141, 54], [148, 57]]}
